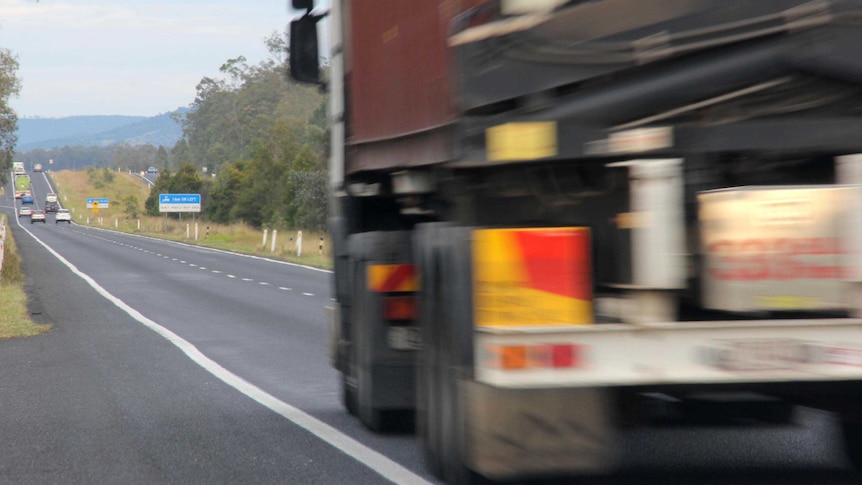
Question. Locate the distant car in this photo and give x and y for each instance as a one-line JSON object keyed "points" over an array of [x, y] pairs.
{"points": [[63, 215], [27, 199], [37, 167], [37, 216], [52, 206], [25, 211], [152, 170]]}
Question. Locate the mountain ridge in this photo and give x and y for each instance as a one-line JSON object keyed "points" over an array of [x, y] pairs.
{"points": [[98, 130]]}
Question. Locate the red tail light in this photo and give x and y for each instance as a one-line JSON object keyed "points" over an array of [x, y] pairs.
{"points": [[399, 308]]}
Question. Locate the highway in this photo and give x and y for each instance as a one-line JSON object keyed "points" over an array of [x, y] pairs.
{"points": [[171, 363]]}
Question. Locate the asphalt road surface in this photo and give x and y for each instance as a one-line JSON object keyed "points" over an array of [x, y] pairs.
{"points": [[169, 363]]}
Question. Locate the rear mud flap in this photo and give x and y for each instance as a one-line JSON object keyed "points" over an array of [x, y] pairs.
{"points": [[517, 433]]}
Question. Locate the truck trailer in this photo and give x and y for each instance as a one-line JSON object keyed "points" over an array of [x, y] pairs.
{"points": [[548, 216], [22, 185]]}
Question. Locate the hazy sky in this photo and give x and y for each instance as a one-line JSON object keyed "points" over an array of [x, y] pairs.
{"points": [[128, 57]]}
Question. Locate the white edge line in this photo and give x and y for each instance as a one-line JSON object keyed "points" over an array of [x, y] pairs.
{"points": [[288, 263], [374, 460]]}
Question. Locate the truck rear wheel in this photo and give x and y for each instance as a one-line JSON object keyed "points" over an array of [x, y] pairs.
{"points": [[348, 395], [359, 397], [851, 431], [446, 349], [378, 381]]}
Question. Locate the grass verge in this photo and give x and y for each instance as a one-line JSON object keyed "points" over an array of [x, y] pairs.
{"points": [[15, 319], [75, 187]]}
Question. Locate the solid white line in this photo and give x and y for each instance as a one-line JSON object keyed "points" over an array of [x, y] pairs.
{"points": [[374, 460]]}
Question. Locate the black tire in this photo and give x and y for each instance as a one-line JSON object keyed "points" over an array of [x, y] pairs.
{"points": [[427, 377], [348, 396], [446, 351], [373, 418], [851, 432]]}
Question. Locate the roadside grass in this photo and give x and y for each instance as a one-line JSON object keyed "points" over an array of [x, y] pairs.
{"points": [[75, 187], [15, 319]]}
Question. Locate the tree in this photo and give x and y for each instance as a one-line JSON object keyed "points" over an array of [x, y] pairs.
{"points": [[162, 158], [160, 186], [10, 86], [130, 206], [186, 181]]}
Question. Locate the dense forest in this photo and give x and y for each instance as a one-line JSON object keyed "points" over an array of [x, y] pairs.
{"points": [[254, 146]]}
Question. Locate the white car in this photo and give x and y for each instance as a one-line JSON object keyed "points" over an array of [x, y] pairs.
{"points": [[63, 215], [25, 210]]}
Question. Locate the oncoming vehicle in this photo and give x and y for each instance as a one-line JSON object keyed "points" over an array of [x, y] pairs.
{"points": [[37, 216], [63, 215], [152, 170], [25, 211]]}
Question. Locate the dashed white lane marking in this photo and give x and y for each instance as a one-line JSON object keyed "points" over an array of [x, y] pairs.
{"points": [[193, 265], [374, 460]]}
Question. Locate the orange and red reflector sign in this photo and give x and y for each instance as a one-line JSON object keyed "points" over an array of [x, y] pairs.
{"points": [[393, 277], [532, 276], [536, 356]]}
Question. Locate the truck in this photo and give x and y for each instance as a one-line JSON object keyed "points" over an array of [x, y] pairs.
{"points": [[554, 219], [18, 168], [22, 186]]}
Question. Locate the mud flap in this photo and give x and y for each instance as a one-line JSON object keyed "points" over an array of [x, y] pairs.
{"points": [[519, 433]]}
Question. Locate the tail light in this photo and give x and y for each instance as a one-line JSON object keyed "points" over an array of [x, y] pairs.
{"points": [[536, 356], [399, 308]]}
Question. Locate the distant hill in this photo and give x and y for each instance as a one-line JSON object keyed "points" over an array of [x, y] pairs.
{"points": [[47, 133]]}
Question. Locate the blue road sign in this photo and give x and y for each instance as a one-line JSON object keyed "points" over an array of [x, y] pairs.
{"points": [[180, 199], [97, 203], [179, 202]]}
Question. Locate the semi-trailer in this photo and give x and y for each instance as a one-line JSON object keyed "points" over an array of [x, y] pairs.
{"points": [[549, 214]]}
